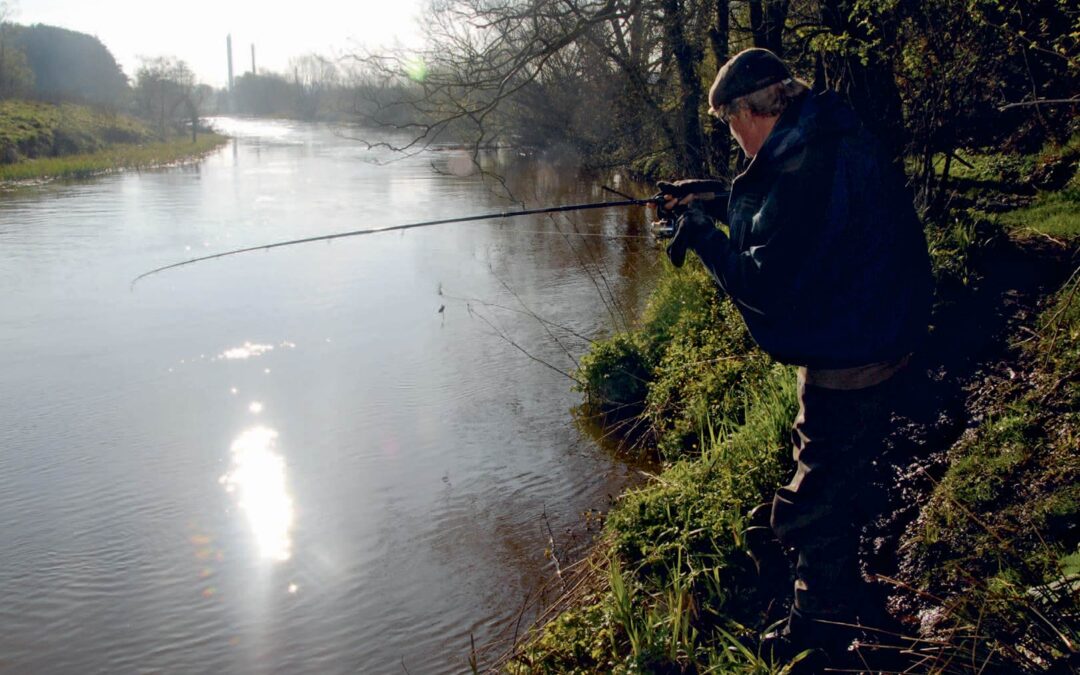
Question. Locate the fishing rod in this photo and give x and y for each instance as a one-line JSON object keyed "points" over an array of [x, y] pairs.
{"points": [[628, 201]]}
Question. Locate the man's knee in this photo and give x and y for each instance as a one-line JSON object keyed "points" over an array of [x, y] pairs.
{"points": [[796, 516]]}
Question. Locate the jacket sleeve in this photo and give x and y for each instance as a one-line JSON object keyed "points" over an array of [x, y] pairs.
{"points": [[767, 277]]}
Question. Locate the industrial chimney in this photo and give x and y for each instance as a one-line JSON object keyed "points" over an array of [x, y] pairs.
{"points": [[228, 46]]}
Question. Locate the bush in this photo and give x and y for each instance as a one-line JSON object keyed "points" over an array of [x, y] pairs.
{"points": [[691, 359]]}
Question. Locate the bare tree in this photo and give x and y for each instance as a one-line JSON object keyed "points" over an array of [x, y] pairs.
{"points": [[494, 73], [165, 85], [314, 77]]}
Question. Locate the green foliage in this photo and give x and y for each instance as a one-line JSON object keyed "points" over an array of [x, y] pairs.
{"points": [[1056, 214], [165, 93], [578, 641], [956, 247], [704, 372], [1059, 345], [998, 185], [614, 376], [698, 506], [40, 140], [691, 359], [16, 78]]}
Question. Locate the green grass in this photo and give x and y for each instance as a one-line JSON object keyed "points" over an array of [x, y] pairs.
{"points": [[112, 158], [997, 539], [1056, 214], [1012, 169], [41, 140], [679, 582], [30, 130], [691, 359], [1050, 173]]}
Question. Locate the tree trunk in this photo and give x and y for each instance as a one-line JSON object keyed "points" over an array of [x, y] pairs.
{"points": [[690, 157], [719, 134], [767, 19]]}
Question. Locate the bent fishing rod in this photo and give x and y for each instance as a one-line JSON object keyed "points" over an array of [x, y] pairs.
{"points": [[628, 201]]}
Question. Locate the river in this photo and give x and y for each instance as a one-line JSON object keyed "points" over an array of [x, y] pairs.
{"points": [[334, 457]]}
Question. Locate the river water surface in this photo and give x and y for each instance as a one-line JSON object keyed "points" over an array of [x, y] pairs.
{"points": [[325, 458]]}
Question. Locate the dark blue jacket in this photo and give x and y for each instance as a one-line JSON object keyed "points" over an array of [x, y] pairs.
{"points": [[827, 260]]}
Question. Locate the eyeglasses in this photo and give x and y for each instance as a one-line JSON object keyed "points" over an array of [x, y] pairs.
{"points": [[725, 112]]}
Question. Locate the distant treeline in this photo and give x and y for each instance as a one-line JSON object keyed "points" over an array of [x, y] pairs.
{"points": [[56, 64], [314, 88]]}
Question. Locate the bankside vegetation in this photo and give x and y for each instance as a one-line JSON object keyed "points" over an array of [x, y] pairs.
{"points": [[43, 140], [977, 552], [40, 140]]}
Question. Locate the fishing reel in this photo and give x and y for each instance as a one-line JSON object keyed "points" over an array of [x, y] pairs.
{"points": [[667, 220]]}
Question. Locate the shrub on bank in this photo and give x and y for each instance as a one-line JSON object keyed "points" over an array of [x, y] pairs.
{"points": [[678, 574], [691, 359]]}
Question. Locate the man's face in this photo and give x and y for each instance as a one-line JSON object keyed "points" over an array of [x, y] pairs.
{"points": [[744, 128]]}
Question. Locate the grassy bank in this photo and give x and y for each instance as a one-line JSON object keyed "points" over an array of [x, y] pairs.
{"points": [[39, 140], [987, 566], [112, 158]]}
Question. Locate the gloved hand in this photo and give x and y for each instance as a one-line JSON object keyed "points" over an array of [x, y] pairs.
{"points": [[691, 226], [681, 189]]}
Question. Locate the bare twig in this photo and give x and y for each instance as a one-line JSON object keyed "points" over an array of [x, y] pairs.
{"points": [[551, 547], [1043, 101]]}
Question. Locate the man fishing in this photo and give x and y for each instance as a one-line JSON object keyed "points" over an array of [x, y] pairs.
{"points": [[827, 262]]}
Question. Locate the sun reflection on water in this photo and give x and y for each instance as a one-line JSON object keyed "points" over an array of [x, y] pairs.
{"points": [[245, 351], [257, 479]]}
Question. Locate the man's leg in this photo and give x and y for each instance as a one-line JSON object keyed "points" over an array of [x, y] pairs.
{"points": [[836, 437]]}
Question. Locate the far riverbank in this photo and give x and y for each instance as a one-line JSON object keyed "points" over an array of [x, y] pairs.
{"points": [[46, 141]]}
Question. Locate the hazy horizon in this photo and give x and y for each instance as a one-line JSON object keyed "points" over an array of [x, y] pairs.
{"points": [[196, 32]]}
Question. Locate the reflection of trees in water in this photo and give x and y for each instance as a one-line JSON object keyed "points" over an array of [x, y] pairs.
{"points": [[611, 248]]}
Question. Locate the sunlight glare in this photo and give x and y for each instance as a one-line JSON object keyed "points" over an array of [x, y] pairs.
{"points": [[257, 478], [416, 69], [245, 351]]}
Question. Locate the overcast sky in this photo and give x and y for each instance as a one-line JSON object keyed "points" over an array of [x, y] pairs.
{"points": [[195, 30]]}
